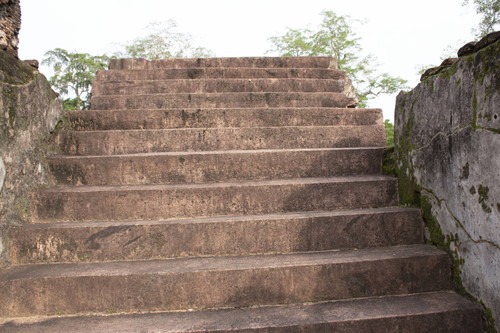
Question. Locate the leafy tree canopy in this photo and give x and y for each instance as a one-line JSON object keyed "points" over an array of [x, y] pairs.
{"points": [[489, 10], [73, 75], [335, 37], [163, 41]]}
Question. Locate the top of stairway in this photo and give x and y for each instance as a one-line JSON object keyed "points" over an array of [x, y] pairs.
{"points": [[246, 62]]}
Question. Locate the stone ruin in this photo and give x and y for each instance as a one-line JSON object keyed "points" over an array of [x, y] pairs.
{"points": [[10, 24]]}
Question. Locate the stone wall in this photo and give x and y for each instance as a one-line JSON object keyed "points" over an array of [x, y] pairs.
{"points": [[30, 111], [10, 23], [447, 154]]}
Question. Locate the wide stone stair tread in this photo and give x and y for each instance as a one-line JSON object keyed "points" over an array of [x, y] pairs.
{"points": [[213, 166], [211, 236], [223, 100], [230, 281], [206, 139], [226, 117], [244, 62], [137, 87], [443, 311], [218, 73], [64, 203]]}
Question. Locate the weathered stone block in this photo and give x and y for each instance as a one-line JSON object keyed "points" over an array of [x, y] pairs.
{"points": [[30, 111], [448, 154]]}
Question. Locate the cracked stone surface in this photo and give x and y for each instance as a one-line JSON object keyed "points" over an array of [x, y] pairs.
{"points": [[447, 132]]}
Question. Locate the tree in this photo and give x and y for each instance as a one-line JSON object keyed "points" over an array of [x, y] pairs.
{"points": [[295, 43], [336, 38], [73, 75], [164, 41], [389, 133], [489, 10]]}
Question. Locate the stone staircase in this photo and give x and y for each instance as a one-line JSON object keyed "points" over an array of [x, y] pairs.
{"points": [[225, 195]]}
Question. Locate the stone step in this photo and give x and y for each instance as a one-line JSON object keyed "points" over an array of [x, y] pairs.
{"points": [[85, 120], [214, 139], [215, 282], [151, 202], [217, 236], [214, 166], [442, 311], [222, 100], [137, 87], [246, 62], [219, 73]]}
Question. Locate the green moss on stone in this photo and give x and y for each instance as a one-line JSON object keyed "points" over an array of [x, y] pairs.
{"points": [[472, 190], [474, 110], [483, 196], [488, 319], [14, 71], [22, 208], [388, 163], [437, 236], [465, 171], [449, 71]]}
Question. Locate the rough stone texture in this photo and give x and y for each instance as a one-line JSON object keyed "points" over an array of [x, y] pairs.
{"points": [[219, 73], [142, 202], [10, 23], [87, 120], [222, 100], [253, 62], [210, 139], [216, 166], [447, 136], [30, 111], [102, 88], [426, 312], [218, 236], [215, 282]]}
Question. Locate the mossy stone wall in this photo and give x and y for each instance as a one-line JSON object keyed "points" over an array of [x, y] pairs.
{"points": [[447, 158]]}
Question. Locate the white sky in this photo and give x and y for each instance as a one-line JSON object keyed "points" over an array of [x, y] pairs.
{"points": [[402, 34]]}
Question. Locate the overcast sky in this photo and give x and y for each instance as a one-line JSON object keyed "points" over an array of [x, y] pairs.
{"points": [[402, 34]]}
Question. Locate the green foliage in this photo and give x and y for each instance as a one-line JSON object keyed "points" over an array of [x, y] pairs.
{"points": [[295, 43], [489, 10], [74, 74], [163, 41], [335, 37], [389, 133], [71, 103]]}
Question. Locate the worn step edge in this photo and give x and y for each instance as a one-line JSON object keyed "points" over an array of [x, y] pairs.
{"points": [[221, 100], [232, 117], [112, 142], [151, 202], [238, 235], [443, 311], [218, 73], [214, 282], [258, 62], [213, 166], [138, 87]]}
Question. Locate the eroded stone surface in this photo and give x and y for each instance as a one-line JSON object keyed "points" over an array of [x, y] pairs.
{"points": [[2, 172], [447, 133], [10, 23], [30, 110]]}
